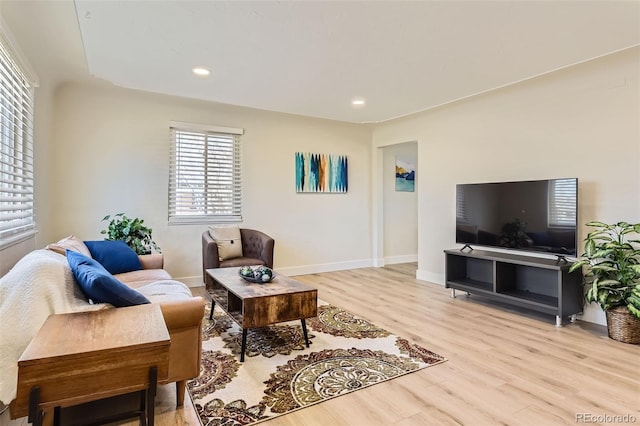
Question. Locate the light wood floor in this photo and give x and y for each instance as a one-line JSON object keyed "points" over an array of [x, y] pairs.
{"points": [[503, 368]]}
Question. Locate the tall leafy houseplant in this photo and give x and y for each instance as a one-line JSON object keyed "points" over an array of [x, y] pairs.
{"points": [[132, 231], [611, 262]]}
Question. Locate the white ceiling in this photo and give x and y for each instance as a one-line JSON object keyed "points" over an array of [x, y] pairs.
{"points": [[311, 58]]}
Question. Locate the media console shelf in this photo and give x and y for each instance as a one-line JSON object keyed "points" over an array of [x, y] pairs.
{"points": [[543, 285]]}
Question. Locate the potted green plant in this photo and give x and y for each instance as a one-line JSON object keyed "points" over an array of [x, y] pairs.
{"points": [[131, 231], [513, 234], [611, 265]]}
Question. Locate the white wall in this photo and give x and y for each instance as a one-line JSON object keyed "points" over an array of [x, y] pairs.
{"points": [[112, 155], [43, 111], [400, 209], [578, 122]]}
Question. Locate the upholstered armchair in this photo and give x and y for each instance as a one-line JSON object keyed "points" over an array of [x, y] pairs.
{"points": [[257, 249]]}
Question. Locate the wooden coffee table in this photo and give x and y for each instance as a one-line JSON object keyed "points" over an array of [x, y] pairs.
{"points": [[258, 305], [82, 357]]}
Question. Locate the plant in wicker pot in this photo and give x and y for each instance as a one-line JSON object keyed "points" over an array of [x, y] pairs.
{"points": [[611, 263], [132, 231]]}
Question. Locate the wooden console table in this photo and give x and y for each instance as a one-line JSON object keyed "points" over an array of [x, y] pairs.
{"points": [[88, 356]]}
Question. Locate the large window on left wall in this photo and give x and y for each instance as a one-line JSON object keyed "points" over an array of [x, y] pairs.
{"points": [[17, 220]]}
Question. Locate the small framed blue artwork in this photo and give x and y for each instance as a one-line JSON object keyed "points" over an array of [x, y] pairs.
{"points": [[405, 174], [321, 172]]}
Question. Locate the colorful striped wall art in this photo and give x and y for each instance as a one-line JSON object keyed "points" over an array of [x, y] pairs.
{"points": [[321, 172]]}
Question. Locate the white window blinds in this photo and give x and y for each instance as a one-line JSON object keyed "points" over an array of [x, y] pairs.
{"points": [[205, 174], [461, 207], [16, 151], [562, 202]]}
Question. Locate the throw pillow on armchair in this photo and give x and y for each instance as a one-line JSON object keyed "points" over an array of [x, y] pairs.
{"points": [[228, 240]]}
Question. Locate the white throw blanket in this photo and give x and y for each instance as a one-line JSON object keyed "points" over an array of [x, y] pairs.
{"points": [[39, 285]]}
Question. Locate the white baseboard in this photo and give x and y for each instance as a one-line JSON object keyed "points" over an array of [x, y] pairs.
{"points": [[378, 262], [406, 258], [324, 267], [196, 281]]}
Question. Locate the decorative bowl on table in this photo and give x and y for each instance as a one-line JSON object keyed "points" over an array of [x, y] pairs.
{"points": [[257, 274]]}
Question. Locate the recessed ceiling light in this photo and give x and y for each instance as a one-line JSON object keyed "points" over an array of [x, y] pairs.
{"points": [[358, 102], [201, 71]]}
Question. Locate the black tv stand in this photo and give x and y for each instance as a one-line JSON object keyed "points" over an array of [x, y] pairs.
{"points": [[561, 258], [540, 284], [466, 246]]}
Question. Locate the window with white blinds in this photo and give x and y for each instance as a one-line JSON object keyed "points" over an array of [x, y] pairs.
{"points": [[562, 202], [205, 174], [16, 151], [461, 207]]}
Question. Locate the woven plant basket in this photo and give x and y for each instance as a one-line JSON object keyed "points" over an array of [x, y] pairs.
{"points": [[622, 325]]}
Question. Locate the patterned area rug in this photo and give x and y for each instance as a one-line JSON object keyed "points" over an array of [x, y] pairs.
{"points": [[280, 374]]}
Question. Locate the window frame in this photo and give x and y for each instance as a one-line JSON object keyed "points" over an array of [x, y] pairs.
{"points": [[189, 133], [17, 180]]}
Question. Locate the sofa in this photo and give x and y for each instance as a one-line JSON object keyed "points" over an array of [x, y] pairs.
{"points": [[42, 283], [257, 249]]}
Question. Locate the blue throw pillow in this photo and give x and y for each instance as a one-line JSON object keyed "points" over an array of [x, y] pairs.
{"points": [[116, 256], [99, 285]]}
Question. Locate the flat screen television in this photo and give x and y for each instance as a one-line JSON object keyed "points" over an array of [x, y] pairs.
{"points": [[537, 215]]}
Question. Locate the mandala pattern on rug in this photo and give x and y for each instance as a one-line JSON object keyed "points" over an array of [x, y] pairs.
{"points": [[338, 322], [417, 351], [317, 376], [236, 413], [347, 354], [268, 341], [214, 328], [217, 369]]}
